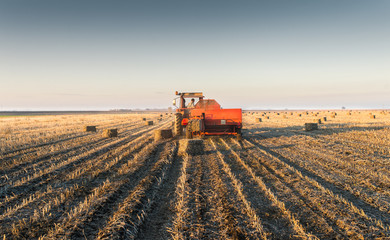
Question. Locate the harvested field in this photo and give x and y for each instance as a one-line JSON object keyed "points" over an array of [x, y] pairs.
{"points": [[58, 181]]}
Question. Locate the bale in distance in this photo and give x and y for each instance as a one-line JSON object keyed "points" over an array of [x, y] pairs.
{"points": [[311, 126], [110, 133], [325, 119], [259, 120], [372, 116], [149, 123], [162, 134], [319, 121], [90, 128], [143, 119]]}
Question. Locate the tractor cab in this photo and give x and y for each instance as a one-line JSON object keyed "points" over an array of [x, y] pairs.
{"points": [[184, 100]]}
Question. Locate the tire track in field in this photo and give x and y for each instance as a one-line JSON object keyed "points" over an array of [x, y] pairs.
{"points": [[361, 181], [80, 192], [223, 212], [375, 187], [96, 181], [93, 173], [198, 214], [77, 135], [22, 151], [254, 225], [33, 163], [275, 218], [181, 200], [104, 146], [98, 216], [292, 190], [371, 211], [39, 183], [159, 218], [137, 207]]}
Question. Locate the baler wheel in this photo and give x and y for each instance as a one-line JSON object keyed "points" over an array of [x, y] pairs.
{"points": [[178, 128]]}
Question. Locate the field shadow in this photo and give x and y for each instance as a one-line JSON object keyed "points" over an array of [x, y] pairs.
{"points": [[371, 211], [324, 129]]}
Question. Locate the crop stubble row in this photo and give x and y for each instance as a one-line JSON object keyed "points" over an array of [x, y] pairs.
{"points": [[272, 185]]}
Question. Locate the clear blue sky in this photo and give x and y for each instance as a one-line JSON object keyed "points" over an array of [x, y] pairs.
{"points": [[79, 54]]}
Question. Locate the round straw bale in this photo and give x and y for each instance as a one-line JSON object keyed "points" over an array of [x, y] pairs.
{"points": [[143, 119], [319, 121], [90, 128], [372, 116], [110, 133], [311, 126], [324, 118], [162, 134], [259, 120]]}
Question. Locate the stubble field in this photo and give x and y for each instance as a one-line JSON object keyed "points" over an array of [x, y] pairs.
{"points": [[280, 182]]}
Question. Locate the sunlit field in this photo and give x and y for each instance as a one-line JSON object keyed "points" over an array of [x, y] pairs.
{"points": [[58, 181]]}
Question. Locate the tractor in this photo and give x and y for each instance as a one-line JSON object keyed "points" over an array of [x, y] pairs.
{"points": [[206, 117]]}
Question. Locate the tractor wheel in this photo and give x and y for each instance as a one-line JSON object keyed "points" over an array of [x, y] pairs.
{"points": [[178, 128], [189, 131]]}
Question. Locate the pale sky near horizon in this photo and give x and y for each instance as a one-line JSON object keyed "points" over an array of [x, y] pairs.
{"points": [[98, 55]]}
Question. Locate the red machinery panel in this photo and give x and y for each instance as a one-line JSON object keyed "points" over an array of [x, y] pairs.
{"points": [[223, 117], [219, 121]]}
